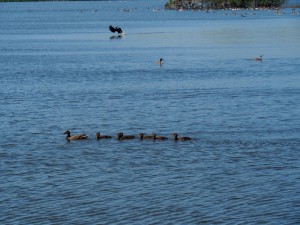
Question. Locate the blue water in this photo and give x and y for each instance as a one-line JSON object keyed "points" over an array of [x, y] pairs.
{"points": [[62, 69]]}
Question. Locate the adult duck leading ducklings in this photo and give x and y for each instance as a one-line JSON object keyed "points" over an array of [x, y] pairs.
{"points": [[75, 137], [121, 136]]}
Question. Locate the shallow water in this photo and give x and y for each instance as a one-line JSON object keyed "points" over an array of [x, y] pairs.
{"points": [[62, 69]]}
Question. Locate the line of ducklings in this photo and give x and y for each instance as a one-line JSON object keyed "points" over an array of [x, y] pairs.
{"points": [[121, 136]]}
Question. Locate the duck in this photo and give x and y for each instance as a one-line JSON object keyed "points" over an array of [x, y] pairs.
{"points": [[176, 138], [99, 136], [160, 62], [154, 137], [75, 137], [258, 58], [121, 136], [142, 137]]}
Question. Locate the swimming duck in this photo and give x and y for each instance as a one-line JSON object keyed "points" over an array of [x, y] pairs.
{"points": [[258, 58], [121, 136], [99, 136], [142, 137], [176, 138], [160, 62], [159, 137], [75, 137]]}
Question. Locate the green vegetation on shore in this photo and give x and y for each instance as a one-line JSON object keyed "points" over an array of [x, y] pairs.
{"points": [[223, 4]]}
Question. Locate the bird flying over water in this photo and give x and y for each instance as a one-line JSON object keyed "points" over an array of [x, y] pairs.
{"points": [[115, 29]]}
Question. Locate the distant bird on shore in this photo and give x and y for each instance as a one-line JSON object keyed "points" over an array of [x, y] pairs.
{"points": [[75, 137], [115, 29], [260, 58]]}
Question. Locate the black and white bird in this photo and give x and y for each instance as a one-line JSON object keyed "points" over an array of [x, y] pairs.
{"points": [[115, 29]]}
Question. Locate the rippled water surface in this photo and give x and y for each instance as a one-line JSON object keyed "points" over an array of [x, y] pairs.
{"points": [[61, 68]]}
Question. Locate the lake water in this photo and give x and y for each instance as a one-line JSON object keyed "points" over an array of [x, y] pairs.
{"points": [[61, 68]]}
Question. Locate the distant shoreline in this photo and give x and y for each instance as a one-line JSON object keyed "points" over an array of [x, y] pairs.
{"points": [[235, 8], [168, 6], [228, 5]]}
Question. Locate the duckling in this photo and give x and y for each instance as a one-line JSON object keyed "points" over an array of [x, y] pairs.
{"points": [[142, 137], [75, 137], [99, 136], [176, 138], [128, 136], [159, 137], [258, 58], [121, 136]]}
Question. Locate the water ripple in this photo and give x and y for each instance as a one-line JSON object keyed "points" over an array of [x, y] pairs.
{"points": [[60, 70]]}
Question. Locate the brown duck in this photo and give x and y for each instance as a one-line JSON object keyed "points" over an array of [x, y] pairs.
{"points": [[99, 136], [143, 137], [121, 136], [158, 137], [176, 138], [75, 137]]}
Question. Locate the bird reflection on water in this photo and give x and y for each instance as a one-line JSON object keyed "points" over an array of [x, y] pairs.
{"points": [[113, 37]]}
